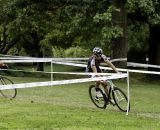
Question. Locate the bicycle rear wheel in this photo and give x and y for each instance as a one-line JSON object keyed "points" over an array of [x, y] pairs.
{"points": [[120, 99], [7, 93], [101, 101]]}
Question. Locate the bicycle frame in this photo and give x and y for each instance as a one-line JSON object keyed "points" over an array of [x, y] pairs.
{"points": [[110, 89]]}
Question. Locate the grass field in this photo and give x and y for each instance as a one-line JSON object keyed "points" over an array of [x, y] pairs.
{"points": [[68, 107]]}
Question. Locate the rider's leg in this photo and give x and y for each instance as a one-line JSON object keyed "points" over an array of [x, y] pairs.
{"points": [[98, 93], [97, 85], [106, 89]]}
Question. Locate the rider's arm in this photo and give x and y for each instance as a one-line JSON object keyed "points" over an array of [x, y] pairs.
{"points": [[111, 65]]}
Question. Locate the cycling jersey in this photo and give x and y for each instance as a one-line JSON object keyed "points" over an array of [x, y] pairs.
{"points": [[95, 62]]}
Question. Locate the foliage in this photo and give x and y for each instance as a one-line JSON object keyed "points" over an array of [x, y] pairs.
{"points": [[148, 9], [15, 51], [58, 52], [7, 35], [37, 26], [82, 24], [70, 52], [77, 52], [138, 35], [145, 14]]}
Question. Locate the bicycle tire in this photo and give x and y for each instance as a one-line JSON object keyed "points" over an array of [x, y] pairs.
{"points": [[102, 101], [121, 105], [7, 93]]}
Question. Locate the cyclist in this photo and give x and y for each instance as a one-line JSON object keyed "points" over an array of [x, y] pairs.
{"points": [[3, 66], [94, 66]]}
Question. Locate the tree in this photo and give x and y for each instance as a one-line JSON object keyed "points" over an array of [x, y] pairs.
{"points": [[38, 25], [7, 35], [119, 44], [148, 11], [86, 24], [35, 21]]}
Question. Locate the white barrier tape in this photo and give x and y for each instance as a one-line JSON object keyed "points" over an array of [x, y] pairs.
{"points": [[19, 59], [26, 71], [134, 71], [72, 59], [34, 58], [142, 65], [13, 56], [82, 65], [102, 74], [70, 73], [78, 65], [60, 82], [26, 60], [108, 68], [120, 59], [71, 64]]}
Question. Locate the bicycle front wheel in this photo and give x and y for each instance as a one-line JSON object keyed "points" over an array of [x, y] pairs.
{"points": [[120, 99], [100, 102], [7, 93]]}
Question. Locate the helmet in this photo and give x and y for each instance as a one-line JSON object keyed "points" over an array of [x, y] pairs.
{"points": [[97, 50]]}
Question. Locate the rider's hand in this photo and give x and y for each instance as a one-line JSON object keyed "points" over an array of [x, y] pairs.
{"points": [[119, 72]]}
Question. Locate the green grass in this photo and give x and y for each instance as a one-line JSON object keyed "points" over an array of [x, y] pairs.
{"points": [[68, 107]]}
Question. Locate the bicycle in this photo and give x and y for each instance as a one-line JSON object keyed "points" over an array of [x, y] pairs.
{"points": [[7, 93], [115, 97]]}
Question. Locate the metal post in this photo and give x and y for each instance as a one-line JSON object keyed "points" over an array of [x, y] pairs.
{"points": [[51, 71], [128, 93]]}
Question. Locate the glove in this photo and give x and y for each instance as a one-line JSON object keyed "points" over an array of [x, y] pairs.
{"points": [[119, 72]]}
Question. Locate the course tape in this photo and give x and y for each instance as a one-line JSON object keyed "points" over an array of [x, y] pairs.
{"points": [[60, 82], [58, 61], [142, 65], [76, 73], [27, 60], [108, 68], [70, 73], [41, 59], [19, 59], [120, 59]]}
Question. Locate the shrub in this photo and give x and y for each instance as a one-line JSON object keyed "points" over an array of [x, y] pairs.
{"points": [[70, 52], [76, 52]]}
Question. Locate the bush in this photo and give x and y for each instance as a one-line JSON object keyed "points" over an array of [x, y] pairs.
{"points": [[71, 52], [58, 52], [17, 52], [76, 52]]}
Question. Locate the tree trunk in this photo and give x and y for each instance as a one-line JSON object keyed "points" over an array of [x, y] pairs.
{"points": [[6, 44], [40, 65], [154, 47], [119, 45]]}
